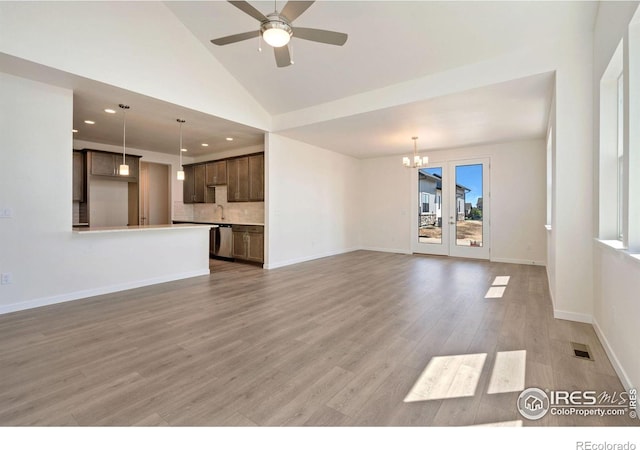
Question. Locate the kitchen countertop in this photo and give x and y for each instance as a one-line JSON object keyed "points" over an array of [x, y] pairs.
{"points": [[92, 230], [178, 221]]}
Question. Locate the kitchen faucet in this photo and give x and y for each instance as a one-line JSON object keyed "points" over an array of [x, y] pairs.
{"points": [[222, 212]]}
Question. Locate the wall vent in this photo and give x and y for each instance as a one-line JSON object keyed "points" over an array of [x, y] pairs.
{"points": [[581, 351]]}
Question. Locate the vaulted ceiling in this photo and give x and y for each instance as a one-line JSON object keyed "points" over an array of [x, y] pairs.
{"points": [[390, 43]]}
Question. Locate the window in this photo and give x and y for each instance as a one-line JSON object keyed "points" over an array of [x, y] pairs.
{"points": [[549, 175], [620, 153], [612, 158]]}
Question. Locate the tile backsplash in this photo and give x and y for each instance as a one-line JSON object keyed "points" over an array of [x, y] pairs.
{"points": [[235, 212]]}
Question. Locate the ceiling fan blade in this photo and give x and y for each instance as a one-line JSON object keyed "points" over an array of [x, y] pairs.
{"points": [[283, 59], [248, 9], [293, 9], [324, 36], [235, 38]]}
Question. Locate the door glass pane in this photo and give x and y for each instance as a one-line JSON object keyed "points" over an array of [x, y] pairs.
{"points": [[468, 206], [430, 205]]}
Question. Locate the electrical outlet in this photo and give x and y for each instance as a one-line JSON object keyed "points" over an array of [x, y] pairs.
{"points": [[6, 278]]}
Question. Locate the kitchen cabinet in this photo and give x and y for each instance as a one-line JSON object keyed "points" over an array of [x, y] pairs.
{"points": [[248, 243], [238, 180], [78, 176], [194, 189], [108, 165], [188, 186], [198, 183], [256, 178], [216, 173], [245, 179]]}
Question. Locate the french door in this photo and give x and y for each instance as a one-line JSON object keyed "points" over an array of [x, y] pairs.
{"points": [[452, 209]]}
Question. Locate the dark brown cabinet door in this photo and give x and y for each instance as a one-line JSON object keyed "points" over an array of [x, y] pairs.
{"points": [[239, 245], [198, 184], [78, 177], [216, 173], [248, 243], [238, 180], [188, 193], [103, 164], [255, 247], [256, 178], [108, 165], [133, 162]]}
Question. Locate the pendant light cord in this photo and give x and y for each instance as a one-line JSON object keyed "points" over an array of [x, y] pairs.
{"points": [[124, 137], [124, 132], [180, 121]]}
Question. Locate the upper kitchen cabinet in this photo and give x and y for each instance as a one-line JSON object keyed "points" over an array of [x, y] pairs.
{"points": [[256, 178], [79, 176], [194, 188], [216, 173], [188, 186], [238, 179], [108, 165], [245, 179]]}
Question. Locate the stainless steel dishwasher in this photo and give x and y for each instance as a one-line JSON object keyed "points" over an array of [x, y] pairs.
{"points": [[222, 241]]}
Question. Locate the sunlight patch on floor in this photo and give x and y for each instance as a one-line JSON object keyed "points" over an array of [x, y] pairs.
{"points": [[495, 292], [509, 423], [501, 281], [448, 377], [508, 372]]}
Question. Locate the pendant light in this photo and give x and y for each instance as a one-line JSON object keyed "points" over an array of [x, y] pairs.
{"points": [[181, 171], [417, 160], [124, 168]]}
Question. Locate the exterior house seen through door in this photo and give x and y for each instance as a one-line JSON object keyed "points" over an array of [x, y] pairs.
{"points": [[453, 209]]}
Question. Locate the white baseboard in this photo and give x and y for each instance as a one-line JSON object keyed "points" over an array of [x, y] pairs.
{"points": [[518, 261], [289, 262], [77, 295], [572, 316], [553, 300], [615, 362], [402, 251]]}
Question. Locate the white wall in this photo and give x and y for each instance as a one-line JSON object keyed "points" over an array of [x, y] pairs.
{"points": [[312, 207], [48, 261], [517, 200], [385, 220], [616, 274], [139, 46]]}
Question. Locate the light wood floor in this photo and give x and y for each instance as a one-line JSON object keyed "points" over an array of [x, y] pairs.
{"points": [[338, 341]]}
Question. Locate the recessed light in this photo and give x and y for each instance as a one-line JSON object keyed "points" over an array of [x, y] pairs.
{"points": [[204, 144], [89, 122], [184, 149], [229, 139], [74, 131], [110, 111]]}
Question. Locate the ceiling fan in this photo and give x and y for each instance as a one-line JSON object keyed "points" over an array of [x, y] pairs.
{"points": [[276, 30]]}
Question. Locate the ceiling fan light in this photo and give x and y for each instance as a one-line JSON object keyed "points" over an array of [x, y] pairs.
{"points": [[275, 32]]}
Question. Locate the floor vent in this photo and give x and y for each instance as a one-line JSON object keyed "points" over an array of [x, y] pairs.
{"points": [[581, 351]]}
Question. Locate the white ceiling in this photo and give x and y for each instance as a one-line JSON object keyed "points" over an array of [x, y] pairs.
{"points": [[389, 42], [152, 124], [513, 110]]}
